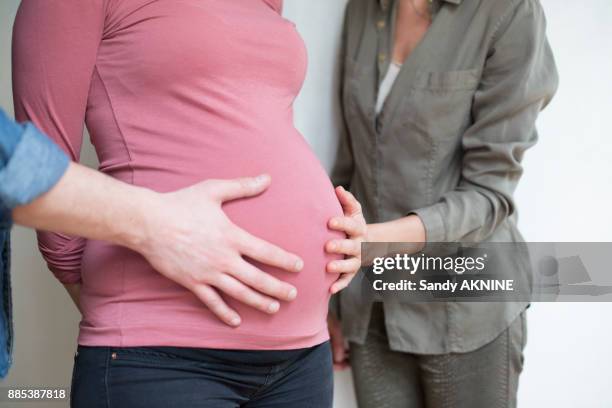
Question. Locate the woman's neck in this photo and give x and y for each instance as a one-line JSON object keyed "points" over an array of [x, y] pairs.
{"points": [[412, 21]]}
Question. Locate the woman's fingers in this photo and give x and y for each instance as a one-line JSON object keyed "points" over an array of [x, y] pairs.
{"points": [[348, 247], [349, 265], [338, 345], [341, 283], [348, 225], [263, 282], [238, 290], [348, 268], [354, 226], [217, 305], [349, 203]]}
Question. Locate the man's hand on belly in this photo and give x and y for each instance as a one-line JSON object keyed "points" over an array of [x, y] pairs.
{"points": [[190, 240]]}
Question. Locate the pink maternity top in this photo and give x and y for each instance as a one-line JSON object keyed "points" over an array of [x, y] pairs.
{"points": [[174, 92]]}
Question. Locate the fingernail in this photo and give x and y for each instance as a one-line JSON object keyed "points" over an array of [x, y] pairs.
{"points": [[292, 294], [235, 321], [334, 223], [261, 178], [299, 264], [273, 308], [332, 246]]}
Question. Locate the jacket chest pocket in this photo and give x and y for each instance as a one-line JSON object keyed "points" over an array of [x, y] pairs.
{"points": [[438, 104]]}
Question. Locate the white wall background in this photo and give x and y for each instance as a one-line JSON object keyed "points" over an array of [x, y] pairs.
{"points": [[565, 196]]}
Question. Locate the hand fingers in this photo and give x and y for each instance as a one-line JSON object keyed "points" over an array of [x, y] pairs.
{"points": [[263, 282], [239, 291], [226, 190], [342, 366], [217, 305], [341, 283], [266, 253], [349, 247], [349, 265], [348, 225], [348, 201], [339, 350]]}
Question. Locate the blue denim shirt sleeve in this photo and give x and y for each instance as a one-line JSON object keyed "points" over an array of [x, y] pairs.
{"points": [[10, 132], [30, 164]]}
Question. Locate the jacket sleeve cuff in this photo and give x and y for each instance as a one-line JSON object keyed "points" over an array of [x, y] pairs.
{"points": [[431, 217], [35, 166]]}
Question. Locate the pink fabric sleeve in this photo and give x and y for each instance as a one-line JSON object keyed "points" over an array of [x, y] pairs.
{"points": [[54, 53]]}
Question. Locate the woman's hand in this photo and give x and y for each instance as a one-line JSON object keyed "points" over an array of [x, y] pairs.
{"points": [[353, 224], [340, 350]]}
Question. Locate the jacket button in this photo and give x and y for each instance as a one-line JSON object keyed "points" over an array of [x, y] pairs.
{"points": [[381, 24], [114, 356]]}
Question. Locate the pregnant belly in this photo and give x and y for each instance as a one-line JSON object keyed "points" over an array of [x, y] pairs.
{"points": [[293, 214], [120, 288]]}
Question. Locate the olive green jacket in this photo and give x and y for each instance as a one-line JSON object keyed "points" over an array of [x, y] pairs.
{"points": [[447, 145]]}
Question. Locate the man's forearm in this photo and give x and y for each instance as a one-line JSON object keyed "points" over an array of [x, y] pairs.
{"points": [[90, 204]]}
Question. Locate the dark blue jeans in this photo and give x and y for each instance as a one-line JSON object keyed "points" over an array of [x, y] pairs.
{"points": [[166, 377]]}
